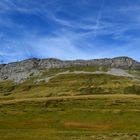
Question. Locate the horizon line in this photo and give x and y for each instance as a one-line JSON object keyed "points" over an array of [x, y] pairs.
{"points": [[31, 58]]}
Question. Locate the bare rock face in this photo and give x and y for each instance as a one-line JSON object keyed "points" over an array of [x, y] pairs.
{"points": [[20, 71], [125, 62]]}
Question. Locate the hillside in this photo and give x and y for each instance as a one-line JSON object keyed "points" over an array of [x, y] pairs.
{"points": [[67, 81], [64, 100]]}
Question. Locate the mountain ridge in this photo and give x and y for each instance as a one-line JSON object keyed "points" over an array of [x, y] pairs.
{"points": [[57, 59], [18, 71]]}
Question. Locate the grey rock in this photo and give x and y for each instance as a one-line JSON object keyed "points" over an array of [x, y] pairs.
{"points": [[119, 72], [20, 71]]}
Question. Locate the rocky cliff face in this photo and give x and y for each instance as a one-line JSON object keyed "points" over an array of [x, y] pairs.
{"points": [[19, 71]]}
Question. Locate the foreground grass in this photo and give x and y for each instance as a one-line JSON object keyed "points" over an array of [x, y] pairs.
{"points": [[71, 106], [97, 118]]}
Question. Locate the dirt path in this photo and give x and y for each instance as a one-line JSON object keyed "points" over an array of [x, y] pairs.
{"points": [[115, 72], [81, 97]]}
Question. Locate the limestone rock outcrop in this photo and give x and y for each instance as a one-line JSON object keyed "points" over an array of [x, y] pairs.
{"points": [[19, 71]]}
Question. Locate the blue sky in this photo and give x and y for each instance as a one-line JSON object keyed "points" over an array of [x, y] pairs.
{"points": [[69, 29]]}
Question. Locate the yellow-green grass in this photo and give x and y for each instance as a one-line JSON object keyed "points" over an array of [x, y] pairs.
{"points": [[100, 117], [53, 71], [104, 117], [70, 84]]}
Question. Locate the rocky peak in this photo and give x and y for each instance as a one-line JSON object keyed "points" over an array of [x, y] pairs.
{"points": [[125, 62]]}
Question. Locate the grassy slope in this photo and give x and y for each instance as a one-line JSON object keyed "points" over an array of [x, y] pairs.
{"points": [[73, 119], [103, 118], [70, 84]]}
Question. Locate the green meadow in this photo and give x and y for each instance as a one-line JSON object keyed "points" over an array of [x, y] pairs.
{"points": [[98, 118], [103, 117]]}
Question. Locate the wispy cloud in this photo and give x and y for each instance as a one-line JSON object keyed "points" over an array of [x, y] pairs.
{"points": [[99, 16], [68, 29]]}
